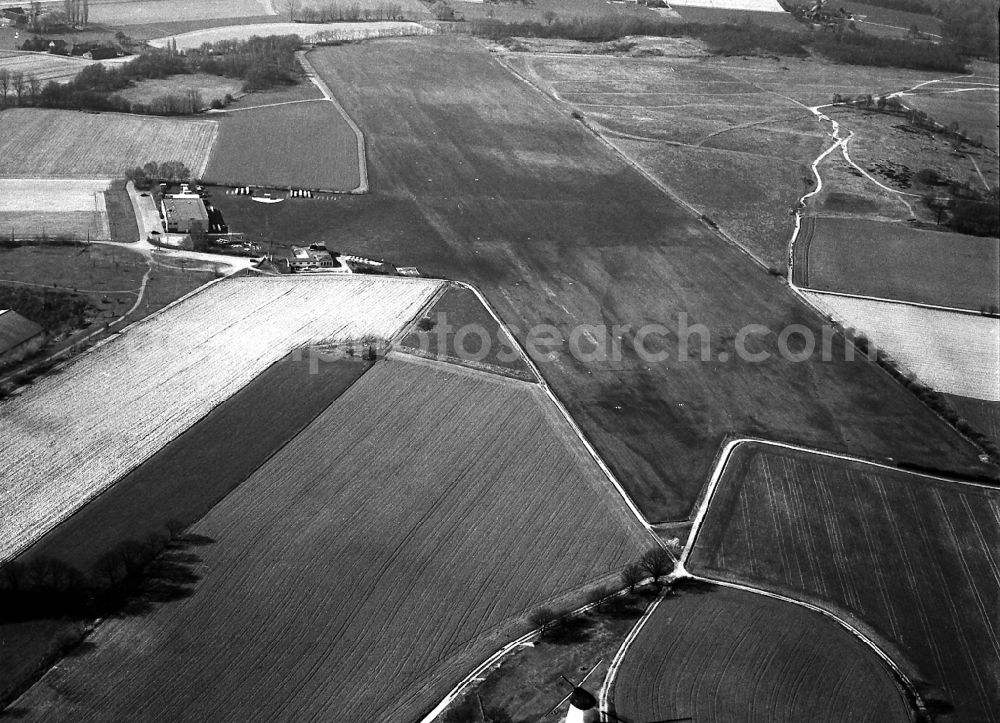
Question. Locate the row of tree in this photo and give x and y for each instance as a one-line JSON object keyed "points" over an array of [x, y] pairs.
{"points": [[163, 172], [18, 85], [351, 12], [655, 564]]}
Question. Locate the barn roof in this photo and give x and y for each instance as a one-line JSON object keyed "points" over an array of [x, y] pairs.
{"points": [[15, 329]]}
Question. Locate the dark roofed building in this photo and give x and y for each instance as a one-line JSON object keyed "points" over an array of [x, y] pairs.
{"points": [[19, 337]]}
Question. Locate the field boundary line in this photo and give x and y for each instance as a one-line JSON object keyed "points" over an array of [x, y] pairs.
{"points": [[609, 678], [565, 413], [328, 94], [901, 302]]}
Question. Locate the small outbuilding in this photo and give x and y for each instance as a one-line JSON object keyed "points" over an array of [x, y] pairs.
{"points": [[19, 337]]}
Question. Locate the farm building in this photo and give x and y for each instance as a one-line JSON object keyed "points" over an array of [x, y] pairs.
{"points": [[311, 258], [19, 337], [184, 213]]}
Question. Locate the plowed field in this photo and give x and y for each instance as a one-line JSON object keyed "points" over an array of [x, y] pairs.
{"points": [[393, 544], [720, 655], [915, 558]]}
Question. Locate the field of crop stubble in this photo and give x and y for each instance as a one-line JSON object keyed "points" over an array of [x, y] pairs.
{"points": [[481, 178], [67, 144], [914, 557], [393, 544]]}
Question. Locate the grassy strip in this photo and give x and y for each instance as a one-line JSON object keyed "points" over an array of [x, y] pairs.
{"points": [[121, 215]]}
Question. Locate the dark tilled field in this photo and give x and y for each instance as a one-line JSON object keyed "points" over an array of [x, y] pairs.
{"points": [[301, 145], [895, 261], [718, 654], [476, 176]]}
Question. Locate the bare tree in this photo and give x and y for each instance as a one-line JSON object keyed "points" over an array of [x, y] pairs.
{"points": [[34, 87], [4, 84], [632, 575], [657, 562], [291, 6], [18, 83], [543, 618]]}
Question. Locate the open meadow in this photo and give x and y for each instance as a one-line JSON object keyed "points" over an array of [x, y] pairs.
{"points": [[479, 177], [68, 437], [208, 87], [916, 559], [896, 261], [43, 66], [396, 542], [67, 144], [718, 654], [953, 352], [686, 122], [32, 208], [264, 147], [139, 12]]}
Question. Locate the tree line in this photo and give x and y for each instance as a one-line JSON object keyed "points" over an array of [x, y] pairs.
{"points": [[351, 12]]}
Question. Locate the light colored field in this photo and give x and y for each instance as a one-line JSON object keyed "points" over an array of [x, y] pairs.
{"points": [[139, 12], [209, 86], [71, 435], [949, 351], [390, 547], [309, 32], [62, 143], [33, 207], [897, 261], [43, 66], [915, 559], [719, 655], [760, 6]]}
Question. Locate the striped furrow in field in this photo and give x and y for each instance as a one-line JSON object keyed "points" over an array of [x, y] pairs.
{"points": [[986, 612], [720, 654], [915, 558], [44, 142], [74, 433], [376, 557], [936, 574]]}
